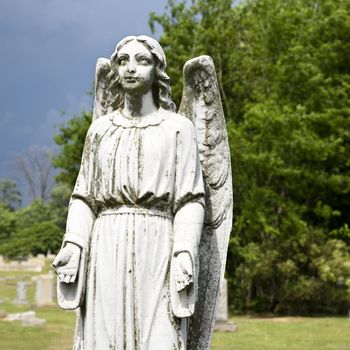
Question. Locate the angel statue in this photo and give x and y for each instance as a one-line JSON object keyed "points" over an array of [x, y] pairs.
{"points": [[150, 215]]}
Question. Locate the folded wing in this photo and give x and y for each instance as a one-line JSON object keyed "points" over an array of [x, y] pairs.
{"points": [[201, 103]]}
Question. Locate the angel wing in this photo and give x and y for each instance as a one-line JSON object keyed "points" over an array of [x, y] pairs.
{"points": [[201, 103], [102, 83]]}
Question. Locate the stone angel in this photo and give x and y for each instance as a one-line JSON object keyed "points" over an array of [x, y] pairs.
{"points": [[150, 215]]}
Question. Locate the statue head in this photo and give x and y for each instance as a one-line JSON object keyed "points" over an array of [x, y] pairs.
{"points": [[160, 80]]}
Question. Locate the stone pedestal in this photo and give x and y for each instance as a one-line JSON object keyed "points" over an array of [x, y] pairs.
{"points": [[44, 290]]}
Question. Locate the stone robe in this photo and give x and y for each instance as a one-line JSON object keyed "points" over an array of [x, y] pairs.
{"points": [[137, 203]]}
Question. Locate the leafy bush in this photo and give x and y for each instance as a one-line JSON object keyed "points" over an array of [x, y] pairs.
{"points": [[30, 230]]}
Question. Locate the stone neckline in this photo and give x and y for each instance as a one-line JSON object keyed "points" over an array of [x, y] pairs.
{"points": [[119, 119]]}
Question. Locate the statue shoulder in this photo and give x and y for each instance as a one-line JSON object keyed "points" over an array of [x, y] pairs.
{"points": [[177, 121], [98, 126]]}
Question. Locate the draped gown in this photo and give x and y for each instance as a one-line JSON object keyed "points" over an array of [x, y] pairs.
{"points": [[139, 193]]}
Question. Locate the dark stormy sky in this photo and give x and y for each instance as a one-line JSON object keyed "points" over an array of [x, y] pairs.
{"points": [[48, 53]]}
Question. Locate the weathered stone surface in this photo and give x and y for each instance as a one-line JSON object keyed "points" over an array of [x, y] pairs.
{"points": [[44, 293], [20, 316], [138, 207], [21, 293], [27, 318], [33, 264], [222, 323], [229, 327], [201, 103], [222, 308]]}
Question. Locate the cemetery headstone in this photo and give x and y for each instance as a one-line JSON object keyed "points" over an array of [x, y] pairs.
{"points": [[21, 293], [44, 290], [222, 323]]}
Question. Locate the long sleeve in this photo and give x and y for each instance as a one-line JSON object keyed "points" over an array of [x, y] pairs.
{"points": [[189, 215], [80, 221], [79, 225], [82, 208], [87, 177], [189, 185], [189, 193]]}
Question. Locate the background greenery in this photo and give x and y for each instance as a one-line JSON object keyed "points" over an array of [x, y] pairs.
{"points": [[284, 76]]}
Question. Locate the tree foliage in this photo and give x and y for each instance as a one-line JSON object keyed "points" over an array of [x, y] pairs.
{"points": [[284, 75], [39, 226], [71, 139], [10, 196], [34, 229], [283, 70], [7, 223]]}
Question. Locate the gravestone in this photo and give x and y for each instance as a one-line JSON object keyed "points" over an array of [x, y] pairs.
{"points": [[44, 290], [27, 318], [35, 264], [20, 316], [222, 323], [222, 308], [21, 293]]}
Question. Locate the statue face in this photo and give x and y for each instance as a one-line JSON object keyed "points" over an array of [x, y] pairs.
{"points": [[136, 68]]}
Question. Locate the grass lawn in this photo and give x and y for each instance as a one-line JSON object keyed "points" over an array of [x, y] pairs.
{"points": [[286, 333], [278, 333], [56, 334]]}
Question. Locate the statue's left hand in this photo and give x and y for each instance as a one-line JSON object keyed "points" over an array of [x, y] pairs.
{"points": [[183, 270], [66, 263]]}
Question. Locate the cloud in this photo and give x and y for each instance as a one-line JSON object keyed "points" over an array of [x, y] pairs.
{"points": [[6, 119], [48, 53], [10, 125], [24, 135], [93, 20], [74, 105]]}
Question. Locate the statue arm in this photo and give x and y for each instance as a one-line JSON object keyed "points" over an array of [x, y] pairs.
{"points": [[82, 208], [189, 192], [79, 223], [187, 233], [71, 261], [188, 221]]}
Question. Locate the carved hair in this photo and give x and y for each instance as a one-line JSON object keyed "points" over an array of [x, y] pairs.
{"points": [[161, 88]]}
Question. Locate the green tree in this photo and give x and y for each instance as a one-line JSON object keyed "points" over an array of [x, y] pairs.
{"points": [[283, 70], [30, 230], [7, 223], [70, 139], [10, 195], [59, 203]]}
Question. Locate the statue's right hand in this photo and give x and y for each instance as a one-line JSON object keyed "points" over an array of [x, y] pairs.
{"points": [[66, 263]]}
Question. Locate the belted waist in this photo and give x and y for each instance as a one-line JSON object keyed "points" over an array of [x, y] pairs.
{"points": [[134, 209]]}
